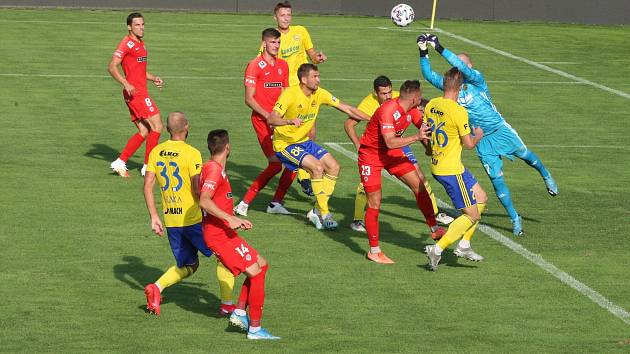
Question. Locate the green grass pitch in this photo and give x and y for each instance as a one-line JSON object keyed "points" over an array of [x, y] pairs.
{"points": [[76, 247]]}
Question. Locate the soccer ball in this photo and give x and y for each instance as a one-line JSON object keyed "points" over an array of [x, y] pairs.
{"points": [[402, 15]]}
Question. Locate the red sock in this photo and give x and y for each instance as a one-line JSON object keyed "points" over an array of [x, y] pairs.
{"points": [[132, 145], [283, 186], [152, 140], [261, 181], [423, 200], [242, 298], [371, 225], [256, 297]]}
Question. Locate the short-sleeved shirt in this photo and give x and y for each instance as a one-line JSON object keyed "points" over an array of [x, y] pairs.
{"points": [[448, 122], [390, 117], [267, 79], [292, 104], [174, 164], [370, 104], [215, 181], [293, 47], [134, 62]]}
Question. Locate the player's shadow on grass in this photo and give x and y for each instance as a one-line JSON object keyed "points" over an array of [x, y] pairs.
{"points": [[109, 154], [190, 296], [242, 176]]}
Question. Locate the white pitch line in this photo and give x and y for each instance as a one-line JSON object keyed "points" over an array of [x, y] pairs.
{"points": [[536, 64], [537, 259]]}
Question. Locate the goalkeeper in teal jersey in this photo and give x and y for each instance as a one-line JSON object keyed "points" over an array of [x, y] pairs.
{"points": [[500, 139]]}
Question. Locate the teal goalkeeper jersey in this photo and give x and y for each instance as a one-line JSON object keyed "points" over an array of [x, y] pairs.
{"points": [[474, 95]]}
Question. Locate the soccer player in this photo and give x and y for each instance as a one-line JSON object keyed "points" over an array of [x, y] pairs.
{"points": [[131, 55], [500, 140], [176, 167], [450, 131], [296, 48], [265, 78], [380, 148], [383, 92], [219, 225], [293, 116]]}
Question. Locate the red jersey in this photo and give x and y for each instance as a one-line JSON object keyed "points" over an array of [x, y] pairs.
{"points": [[215, 181], [267, 79], [134, 62], [389, 118]]}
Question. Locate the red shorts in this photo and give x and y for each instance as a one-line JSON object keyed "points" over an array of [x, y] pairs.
{"points": [[234, 252], [371, 163], [140, 105], [264, 133]]}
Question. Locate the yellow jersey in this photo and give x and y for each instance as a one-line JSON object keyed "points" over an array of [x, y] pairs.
{"points": [[293, 47], [370, 104], [448, 122], [174, 164], [292, 104]]}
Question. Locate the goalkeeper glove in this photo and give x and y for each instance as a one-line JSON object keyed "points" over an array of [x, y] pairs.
{"points": [[434, 42], [422, 45]]}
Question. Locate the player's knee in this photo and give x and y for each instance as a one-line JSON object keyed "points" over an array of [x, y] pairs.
{"points": [[317, 170], [262, 261], [333, 168]]}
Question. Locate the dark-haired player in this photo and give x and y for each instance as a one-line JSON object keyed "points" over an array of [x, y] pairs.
{"points": [[380, 149], [265, 78], [219, 231], [131, 55]]}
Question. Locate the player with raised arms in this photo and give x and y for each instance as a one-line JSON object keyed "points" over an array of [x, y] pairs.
{"points": [[131, 55], [175, 165], [383, 92], [500, 139], [293, 117], [266, 77], [219, 231], [450, 131], [380, 148]]}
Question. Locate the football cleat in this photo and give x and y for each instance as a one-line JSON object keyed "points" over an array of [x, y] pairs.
{"points": [[443, 219], [152, 293], [517, 226], [468, 253], [307, 188], [552, 187], [329, 223], [241, 209], [434, 258], [358, 226], [120, 167], [226, 310], [315, 219], [379, 258], [438, 233], [277, 208], [143, 170], [261, 334], [239, 321]]}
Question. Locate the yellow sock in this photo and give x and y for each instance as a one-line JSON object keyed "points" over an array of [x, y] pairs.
{"points": [[320, 196], [173, 276], [469, 234], [329, 184], [302, 174], [226, 282], [455, 230], [427, 186], [360, 201]]}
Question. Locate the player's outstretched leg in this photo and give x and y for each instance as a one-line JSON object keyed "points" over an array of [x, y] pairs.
{"points": [[172, 276], [534, 161], [133, 144], [503, 193]]}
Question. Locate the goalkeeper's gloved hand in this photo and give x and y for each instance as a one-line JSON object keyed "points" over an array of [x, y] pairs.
{"points": [[434, 42], [422, 45]]}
